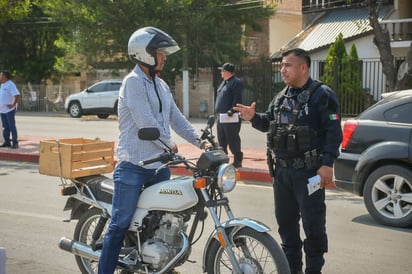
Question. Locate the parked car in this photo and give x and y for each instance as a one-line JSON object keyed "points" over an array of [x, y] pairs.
{"points": [[376, 159], [99, 99]]}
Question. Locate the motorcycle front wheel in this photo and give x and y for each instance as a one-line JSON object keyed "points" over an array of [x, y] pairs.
{"points": [[83, 233], [256, 252]]}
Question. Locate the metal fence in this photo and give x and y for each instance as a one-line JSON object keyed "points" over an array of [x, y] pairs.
{"points": [[357, 86], [43, 98], [263, 80], [372, 83]]}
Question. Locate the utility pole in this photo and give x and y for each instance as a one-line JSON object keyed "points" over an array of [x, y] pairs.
{"points": [[185, 83]]}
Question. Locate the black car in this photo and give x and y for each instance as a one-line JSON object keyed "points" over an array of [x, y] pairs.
{"points": [[376, 159]]}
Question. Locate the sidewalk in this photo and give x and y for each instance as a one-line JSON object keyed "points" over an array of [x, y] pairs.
{"points": [[254, 160]]}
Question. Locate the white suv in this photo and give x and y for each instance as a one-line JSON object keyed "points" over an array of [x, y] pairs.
{"points": [[99, 99]]}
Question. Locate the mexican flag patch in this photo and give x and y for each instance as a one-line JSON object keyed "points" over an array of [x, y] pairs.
{"points": [[333, 117]]}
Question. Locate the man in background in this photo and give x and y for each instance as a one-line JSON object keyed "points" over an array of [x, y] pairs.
{"points": [[229, 94], [9, 97]]}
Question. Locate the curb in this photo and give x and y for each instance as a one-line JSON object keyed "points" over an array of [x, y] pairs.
{"points": [[19, 157]]}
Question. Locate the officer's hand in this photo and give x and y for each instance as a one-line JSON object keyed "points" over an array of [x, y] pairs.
{"points": [[246, 112], [326, 177]]}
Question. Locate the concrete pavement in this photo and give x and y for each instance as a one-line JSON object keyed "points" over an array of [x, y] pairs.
{"points": [[253, 168]]}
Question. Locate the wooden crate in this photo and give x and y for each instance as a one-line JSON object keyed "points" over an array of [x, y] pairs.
{"points": [[76, 157]]}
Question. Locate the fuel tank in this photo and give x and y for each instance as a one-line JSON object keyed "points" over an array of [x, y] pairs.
{"points": [[173, 195]]}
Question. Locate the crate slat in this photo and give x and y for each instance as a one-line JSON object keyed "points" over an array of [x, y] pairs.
{"points": [[78, 157]]}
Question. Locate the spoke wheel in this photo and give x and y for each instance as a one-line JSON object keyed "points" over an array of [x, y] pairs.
{"points": [[256, 253], [83, 233]]}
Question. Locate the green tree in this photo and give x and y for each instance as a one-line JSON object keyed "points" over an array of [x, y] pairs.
{"points": [[14, 10], [209, 32], [382, 41], [354, 94], [343, 74], [27, 44], [337, 56], [42, 37]]}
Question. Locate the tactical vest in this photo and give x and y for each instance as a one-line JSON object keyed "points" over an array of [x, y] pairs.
{"points": [[291, 140]]}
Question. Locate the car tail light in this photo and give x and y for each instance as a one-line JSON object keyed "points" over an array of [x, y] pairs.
{"points": [[348, 129]]}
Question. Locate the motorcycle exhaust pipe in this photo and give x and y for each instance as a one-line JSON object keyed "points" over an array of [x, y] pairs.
{"points": [[79, 249], [85, 251]]}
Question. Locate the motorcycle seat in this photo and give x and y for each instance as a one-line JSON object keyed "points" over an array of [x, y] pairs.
{"points": [[107, 186]]}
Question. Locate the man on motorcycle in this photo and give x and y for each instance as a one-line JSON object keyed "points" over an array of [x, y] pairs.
{"points": [[145, 100]]}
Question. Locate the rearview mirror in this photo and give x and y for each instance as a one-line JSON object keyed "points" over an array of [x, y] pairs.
{"points": [[211, 121], [149, 133]]}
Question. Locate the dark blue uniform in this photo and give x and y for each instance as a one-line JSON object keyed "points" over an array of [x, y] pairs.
{"points": [[229, 94], [321, 114]]}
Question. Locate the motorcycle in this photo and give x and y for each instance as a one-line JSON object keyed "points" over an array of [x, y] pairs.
{"points": [[159, 238]]}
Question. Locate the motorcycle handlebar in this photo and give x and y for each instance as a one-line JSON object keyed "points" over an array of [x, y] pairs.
{"points": [[164, 158]]}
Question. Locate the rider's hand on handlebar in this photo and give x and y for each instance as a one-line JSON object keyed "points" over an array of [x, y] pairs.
{"points": [[205, 144], [175, 149]]}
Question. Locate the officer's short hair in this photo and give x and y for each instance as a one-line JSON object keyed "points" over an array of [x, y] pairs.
{"points": [[299, 53]]}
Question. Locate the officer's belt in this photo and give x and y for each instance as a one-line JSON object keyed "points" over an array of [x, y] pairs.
{"points": [[303, 162]]}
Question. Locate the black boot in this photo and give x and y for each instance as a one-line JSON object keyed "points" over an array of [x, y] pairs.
{"points": [[238, 158]]}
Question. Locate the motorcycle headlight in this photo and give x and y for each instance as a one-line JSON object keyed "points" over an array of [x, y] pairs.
{"points": [[226, 177]]}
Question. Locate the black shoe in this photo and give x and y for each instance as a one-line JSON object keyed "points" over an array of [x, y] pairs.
{"points": [[5, 145], [15, 146], [237, 165]]}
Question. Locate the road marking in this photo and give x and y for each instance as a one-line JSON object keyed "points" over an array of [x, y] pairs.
{"points": [[30, 214]]}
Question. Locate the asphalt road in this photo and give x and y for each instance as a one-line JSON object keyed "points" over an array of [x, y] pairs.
{"points": [[32, 222], [63, 126]]}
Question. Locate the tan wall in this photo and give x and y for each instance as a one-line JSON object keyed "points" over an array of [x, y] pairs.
{"points": [[285, 23], [200, 92], [405, 8], [283, 27], [290, 5]]}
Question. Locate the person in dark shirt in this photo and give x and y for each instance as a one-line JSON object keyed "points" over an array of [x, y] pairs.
{"points": [[229, 94], [304, 134]]}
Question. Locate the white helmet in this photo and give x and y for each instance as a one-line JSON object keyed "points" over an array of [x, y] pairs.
{"points": [[144, 42]]}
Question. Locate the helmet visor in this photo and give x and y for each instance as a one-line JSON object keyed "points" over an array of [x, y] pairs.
{"points": [[169, 50]]}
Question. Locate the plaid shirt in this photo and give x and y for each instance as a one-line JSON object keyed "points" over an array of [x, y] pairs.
{"points": [[139, 107]]}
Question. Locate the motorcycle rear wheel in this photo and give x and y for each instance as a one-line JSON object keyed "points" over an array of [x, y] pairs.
{"points": [[256, 252], [83, 233]]}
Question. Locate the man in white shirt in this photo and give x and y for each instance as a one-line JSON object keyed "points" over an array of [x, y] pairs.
{"points": [[9, 97]]}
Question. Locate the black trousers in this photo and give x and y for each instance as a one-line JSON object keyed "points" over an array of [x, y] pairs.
{"points": [[228, 135], [292, 203]]}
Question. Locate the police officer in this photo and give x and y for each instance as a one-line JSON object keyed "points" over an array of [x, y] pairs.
{"points": [[229, 93], [304, 135]]}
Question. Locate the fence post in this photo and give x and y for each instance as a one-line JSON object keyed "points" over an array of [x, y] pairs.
{"points": [[46, 103]]}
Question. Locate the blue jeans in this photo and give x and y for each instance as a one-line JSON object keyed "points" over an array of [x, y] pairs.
{"points": [[9, 126], [128, 182]]}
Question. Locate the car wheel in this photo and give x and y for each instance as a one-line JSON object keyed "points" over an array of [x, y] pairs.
{"points": [[103, 116], [388, 195], [75, 110], [115, 108]]}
